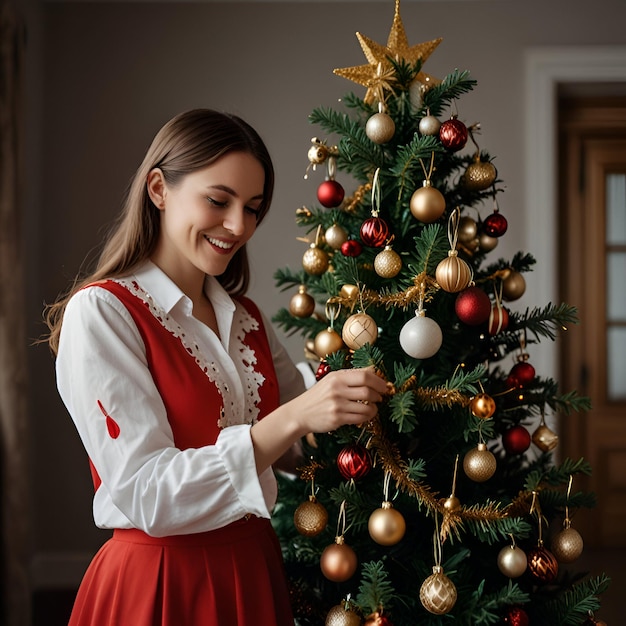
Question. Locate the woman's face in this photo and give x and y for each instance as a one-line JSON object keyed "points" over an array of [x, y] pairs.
{"points": [[207, 216]]}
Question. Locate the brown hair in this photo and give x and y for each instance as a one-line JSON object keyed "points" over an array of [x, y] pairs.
{"points": [[187, 143]]}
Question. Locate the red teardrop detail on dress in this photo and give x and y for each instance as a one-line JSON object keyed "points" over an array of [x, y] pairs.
{"points": [[112, 426]]}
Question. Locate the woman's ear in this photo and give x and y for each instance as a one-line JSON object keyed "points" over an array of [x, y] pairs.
{"points": [[156, 187]]}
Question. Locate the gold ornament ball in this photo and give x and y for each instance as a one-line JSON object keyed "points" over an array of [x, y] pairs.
{"points": [[452, 504], [487, 243], [429, 125], [302, 304], [387, 263], [468, 230], [339, 615], [545, 438], [350, 292], [386, 525], [453, 274], [479, 464], [335, 236], [438, 593], [310, 518], [326, 342], [380, 128], [315, 261], [512, 561], [358, 330], [338, 561], [427, 204], [479, 175], [567, 545], [513, 286], [482, 406]]}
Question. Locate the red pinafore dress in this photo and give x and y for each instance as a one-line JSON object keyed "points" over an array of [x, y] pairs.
{"points": [[232, 576]]}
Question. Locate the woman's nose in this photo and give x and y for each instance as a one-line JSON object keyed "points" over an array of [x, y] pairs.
{"points": [[234, 220]]}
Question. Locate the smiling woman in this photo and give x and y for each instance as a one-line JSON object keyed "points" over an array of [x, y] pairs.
{"points": [[182, 395]]}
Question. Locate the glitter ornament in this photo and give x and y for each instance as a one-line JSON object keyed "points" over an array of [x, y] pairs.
{"points": [[427, 204], [495, 225], [472, 306], [516, 616], [516, 440], [342, 615], [327, 341], [542, 564], [310, 518], [421, 336], [374, 232], [513, 286], [453, 134], [330, 194], [482, 406], [479, 464], [335, 236], [386, 525], [387, 263], [338, 561], [354, 462], [302, 304], [359, 329], [438, 593], [512, 561], [351, 248], [429, 125], [567, 545], [479, 175], [315, 261], [380, 128], [453, 274]]}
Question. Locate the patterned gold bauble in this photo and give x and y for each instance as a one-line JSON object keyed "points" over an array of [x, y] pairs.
{"points": [[468, 230], [358, 330], [479, 175], [483, 406], [342, 615], [387, 263], [567, 545], [310, 518], [315, 260], [326, 342], [335, 236], [479, 464], [486, 243], [545, 438], [386, 525], [542, 564], [380, 128], [338, 561], [453, 274], [438, 593], [427, 204], [513, 286], [302, 304], [512, 561]]}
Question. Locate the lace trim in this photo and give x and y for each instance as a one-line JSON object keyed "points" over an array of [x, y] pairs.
{"points": [[252, 380]]}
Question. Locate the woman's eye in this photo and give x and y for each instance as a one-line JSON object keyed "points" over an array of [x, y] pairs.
{"points": [[253, 211], [216, 203]]}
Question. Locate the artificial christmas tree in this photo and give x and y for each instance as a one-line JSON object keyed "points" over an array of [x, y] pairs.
{"points": [[434, 510]]}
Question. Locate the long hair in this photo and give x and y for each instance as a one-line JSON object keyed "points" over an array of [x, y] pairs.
{"points": [[189, 142]]}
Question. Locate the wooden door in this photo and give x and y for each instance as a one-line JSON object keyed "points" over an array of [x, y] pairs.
{"points": [[592, 269]]}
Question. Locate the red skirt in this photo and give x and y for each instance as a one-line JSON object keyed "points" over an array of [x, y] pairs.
{"points": [[233, 576]]}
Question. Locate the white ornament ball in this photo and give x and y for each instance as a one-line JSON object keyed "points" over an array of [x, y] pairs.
{"points": [[380, 128], [429, 125], [512, 561], [421, 337]]}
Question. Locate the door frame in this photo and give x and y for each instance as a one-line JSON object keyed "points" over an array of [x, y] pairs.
{"points": [[545, 68]]}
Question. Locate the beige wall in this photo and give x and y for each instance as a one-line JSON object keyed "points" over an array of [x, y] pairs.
{"points": [[113, 73]]}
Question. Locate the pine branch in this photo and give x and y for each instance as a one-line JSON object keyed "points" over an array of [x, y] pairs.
{"points": [[546, 321], [576, 604], [375, 590], [454, 85]]}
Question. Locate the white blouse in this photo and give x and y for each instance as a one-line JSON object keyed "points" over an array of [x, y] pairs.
{"points": [[147, 482]]}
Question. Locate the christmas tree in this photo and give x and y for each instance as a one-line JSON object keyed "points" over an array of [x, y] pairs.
{"points": [[450, 504]]}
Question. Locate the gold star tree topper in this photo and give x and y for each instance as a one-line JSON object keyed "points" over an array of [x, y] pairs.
{"points": [[378, 74]]}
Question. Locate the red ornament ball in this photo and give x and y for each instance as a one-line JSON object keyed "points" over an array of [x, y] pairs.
{"points": [[472, 306], [374, 232], [322, 369], [516, 440], [453, 134], [354, 462], [498, 320], [495, 225], [516, 616], [542, 564], [330, 194], [521, 375], [351, 248]]}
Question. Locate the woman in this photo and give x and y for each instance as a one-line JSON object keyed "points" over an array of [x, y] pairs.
{"points": [[181, 393]]}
